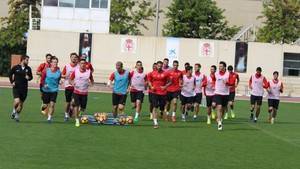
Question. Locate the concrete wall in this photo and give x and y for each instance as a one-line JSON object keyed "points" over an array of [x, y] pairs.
{"points": [[106, 51]]}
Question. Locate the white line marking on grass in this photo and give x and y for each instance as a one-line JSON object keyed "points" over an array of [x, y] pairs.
{"points": [[275, 136]]}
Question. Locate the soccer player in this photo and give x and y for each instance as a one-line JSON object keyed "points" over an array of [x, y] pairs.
{"points": [[19, 76], [121, 81], [173, 90], [235, 77], [257, 83], [42, 67], [209, 92], [187, 64], [88, 64], [222, 83], [158, 83], [275, 87], [50, 85], [198, 89], [138, 82], [150, 92], [166, 66], [69, 88], [187, 91], [81, 78]]}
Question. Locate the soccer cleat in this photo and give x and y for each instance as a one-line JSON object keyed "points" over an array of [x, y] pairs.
{"points": [[155, 126], [17, 119], [136, 120], [49, 121], [272, 120], [173, 119], [195, 117], [151, 116], [255, 120], [226, 116], [77, 123], [183, 118], [251, 116], [208, 121], [213, 115], [232, 114], [66, 119], [12, 115], [220, 127]]}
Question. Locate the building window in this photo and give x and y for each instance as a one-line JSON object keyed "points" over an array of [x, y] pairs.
{"points": [[291, 64], [99, 3], [82, 4], [50, 3], [66, 3]]}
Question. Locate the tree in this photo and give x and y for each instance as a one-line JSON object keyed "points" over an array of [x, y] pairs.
{"points": [[12, 33], [127, 15], [197, 19], [282, 21]]}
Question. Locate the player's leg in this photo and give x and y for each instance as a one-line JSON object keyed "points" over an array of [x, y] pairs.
{"points": [[68, 97], [231, 104], [121, 104], [209, 108], [252, 107], [270, 109], [213, 108], [218, 100], [182, 108], [115, 103], [150, 95], [275, 109], [53, 97], [168, 105], [139, 101], [133, 98], [174, 108], [257, 107], [156, 105], [76, 106]]}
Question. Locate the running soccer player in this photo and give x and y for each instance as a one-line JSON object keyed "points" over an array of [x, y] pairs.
{"points": [[166, 66], [222, 83], [150, 92], [274, 90], [42, 67], [50, 82], [158, 83], [209, 92], [138, 82], [19, 76], [187, 91], [257, 83], [69, 88], [81, 78], [199, 77], [235, 77], [187, 64], [121, 81], [173, 90], [88, 64]]}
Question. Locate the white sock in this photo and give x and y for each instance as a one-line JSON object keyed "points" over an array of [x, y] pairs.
{"points": [[173, 114], [77, 120], [49, 117], [136, 115], [195, 115], [66, 114], [183, 116], [155, 122], [14, 110], [167, 113], [16, 115], [208, 116], [255, 118], [219, 122]]}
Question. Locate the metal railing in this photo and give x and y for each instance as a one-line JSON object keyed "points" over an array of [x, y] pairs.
{"points": [[247, 33]]}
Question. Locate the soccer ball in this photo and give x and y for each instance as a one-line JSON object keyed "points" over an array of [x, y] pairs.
{"points": [[84, 120], [129, 120], [122, 120], [100, 117]]}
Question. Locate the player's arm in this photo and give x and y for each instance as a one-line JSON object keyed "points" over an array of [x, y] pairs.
{"points": [[92, 81], [11, 76], [281, 88], [250, 83], [43, 78], [237, 80], [150, 81], [204, 82], [230, 81], [265, 83], [169, 82], [111, 79], [64, 73], [72, 77], [29, 76]]}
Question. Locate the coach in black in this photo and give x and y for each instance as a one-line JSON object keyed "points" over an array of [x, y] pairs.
{"points": [[19, 76]]}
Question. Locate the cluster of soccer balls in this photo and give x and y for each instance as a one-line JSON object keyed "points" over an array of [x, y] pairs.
{"points": [[125, 120], [100, 117]]}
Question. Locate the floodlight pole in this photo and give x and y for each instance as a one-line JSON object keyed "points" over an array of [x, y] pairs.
{"points": [[30, 17], [157, 16]]}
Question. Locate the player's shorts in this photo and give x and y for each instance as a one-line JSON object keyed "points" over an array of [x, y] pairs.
{"points": [[198, 98], [273, 103], [231, 96], [209, 101], [158, 101], [20, 94], [221, 100], [256, 99], [172, 95], [139, 95], [69, 95], [41, 88], [186, 100], [119, 99], [80, 100], [150, 95], [48, 97]]}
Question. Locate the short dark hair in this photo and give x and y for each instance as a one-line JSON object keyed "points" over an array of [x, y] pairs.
{"points": [[23, 57], [48, 54], [198, 64], [175, 61], [276, 72], [74, 53], [154, 64], [214, 66], [159, 62], [189, 68], [230, 68], [223, 63], [186, 64], [82, 60], [138, 62], [166, 59], [54, 58], [258, 69]]}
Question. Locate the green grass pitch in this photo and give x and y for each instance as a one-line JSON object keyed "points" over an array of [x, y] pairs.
{"points": [[34, 144]]}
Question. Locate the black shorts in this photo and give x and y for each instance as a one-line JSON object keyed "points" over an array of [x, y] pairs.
{"points": [[231, 96], [209, 101], [150, 95], [119, 99], [41, 88], [186, 100], [80, 100], [256, 99], [137, 96], [69, 95], [221, 100], [198, 98], [158, 101], [48, 97], [172, 95], [273, 103], [20, 93]]}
